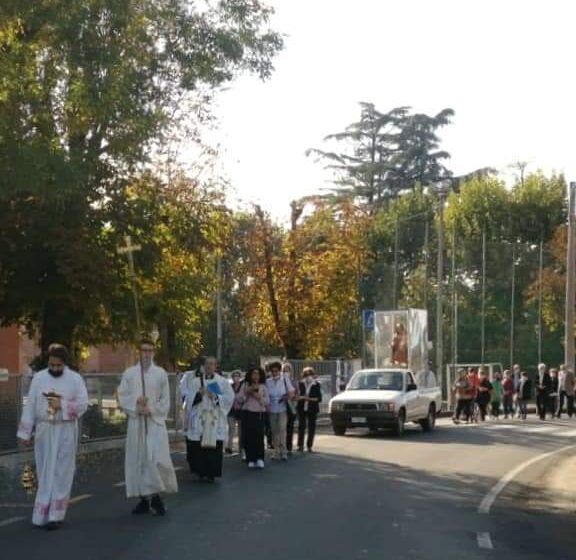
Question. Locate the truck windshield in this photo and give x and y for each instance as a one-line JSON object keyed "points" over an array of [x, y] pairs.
{"points": [[374, 380]]}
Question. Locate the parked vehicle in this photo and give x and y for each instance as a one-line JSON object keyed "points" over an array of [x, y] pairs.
{"points": [[387, 398]]}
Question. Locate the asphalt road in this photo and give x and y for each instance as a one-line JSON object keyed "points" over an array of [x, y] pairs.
{"points": [[360, 497]]}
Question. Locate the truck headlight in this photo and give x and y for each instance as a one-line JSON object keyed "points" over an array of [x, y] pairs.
{"points": [[386, 407], [337, 406]]}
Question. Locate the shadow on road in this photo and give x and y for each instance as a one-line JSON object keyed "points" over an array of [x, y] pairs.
{"points": [[316, 507]]}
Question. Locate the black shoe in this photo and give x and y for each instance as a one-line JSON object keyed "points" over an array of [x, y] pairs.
{"points": [[310, 450], [228, 451], [54, 525], [301, 450], [157, 506], [142, 507]]}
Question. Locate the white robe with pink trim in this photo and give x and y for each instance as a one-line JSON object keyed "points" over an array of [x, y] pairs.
{"points": [[55, 440]]}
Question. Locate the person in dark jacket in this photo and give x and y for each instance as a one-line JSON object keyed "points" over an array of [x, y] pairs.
{"points": [[310, 397], [543, 390], [484, 394], [524, 394]]}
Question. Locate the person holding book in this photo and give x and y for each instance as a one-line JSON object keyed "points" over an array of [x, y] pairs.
{"points": [[209, 398]]}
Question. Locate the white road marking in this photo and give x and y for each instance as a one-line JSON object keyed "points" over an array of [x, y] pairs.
{"points": [[11, 521], [120, 484], [571, 433], [495, 491], [16, 505], [176, 469], [484, 541], [80, 498], [542, 430]]}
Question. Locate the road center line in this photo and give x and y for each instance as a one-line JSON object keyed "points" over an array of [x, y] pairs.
{"points": [[484, 541], [11, 521], [496, 490]]}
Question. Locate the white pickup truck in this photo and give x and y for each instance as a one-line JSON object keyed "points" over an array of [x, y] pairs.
{"points": [[387, 398]]}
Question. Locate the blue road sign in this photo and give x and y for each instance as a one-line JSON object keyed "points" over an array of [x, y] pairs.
{"points": [[368, 319]]}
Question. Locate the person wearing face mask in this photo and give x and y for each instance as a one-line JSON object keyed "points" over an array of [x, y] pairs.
{"points": [[310, 397], [144, 395], [57, 398]]}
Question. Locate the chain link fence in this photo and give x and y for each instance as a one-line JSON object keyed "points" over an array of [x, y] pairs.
{"points": [[500, 298], [103, 419]]}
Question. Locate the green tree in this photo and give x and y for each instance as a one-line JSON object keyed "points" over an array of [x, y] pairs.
{"points": [[387, 154], [88, 89]]}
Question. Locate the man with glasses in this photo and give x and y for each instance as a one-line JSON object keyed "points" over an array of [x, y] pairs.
{"points": [[144, 395]]}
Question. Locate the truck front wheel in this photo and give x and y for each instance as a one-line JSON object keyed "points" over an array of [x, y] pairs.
{"points": [[429, 423], [400, 424], [339, 430]]}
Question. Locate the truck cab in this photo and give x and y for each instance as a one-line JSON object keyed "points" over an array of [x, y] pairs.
{"points": [[387, 398]]}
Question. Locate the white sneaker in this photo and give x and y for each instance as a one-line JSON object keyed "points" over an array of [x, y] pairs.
{"points": [[260, 464], [251, 465]]}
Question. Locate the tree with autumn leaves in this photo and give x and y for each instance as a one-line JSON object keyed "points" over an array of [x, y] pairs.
{"points": [[295, 290], [91, 92]]}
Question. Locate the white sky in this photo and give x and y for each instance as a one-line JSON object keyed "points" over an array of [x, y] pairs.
{"points": [[505, 66]]}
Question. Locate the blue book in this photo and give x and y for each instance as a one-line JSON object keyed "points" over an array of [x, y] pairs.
{"points": [[214, 388]]}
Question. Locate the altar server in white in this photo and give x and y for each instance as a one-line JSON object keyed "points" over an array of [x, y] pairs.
{"points": [[56, 399], [144, 395]]}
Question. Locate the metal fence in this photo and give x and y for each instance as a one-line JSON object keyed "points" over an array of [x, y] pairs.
{"points": [[331, 374], [103, 419]]}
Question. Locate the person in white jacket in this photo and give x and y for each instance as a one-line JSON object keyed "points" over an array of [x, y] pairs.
{"points": [[144, 395], [56, 399]]}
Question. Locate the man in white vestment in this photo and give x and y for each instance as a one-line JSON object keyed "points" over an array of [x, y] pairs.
{"points": [[144, 395], [209, 398], [56, 399]]}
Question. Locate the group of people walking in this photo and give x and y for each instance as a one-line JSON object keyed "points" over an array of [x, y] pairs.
{"points": [[265, 405], [478, 397], [212, 406]]}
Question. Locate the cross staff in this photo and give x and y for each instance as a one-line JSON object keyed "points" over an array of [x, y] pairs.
{"points": [[129, 251]]}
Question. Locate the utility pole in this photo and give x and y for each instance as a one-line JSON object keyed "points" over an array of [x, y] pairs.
{"points": [[395, 279], [541, 295], [483, 303], [441, 190], [219, 310], [454, 319], [513, 306], [129, 251], [570, 301]]}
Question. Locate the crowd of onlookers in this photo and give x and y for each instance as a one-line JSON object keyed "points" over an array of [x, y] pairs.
{"points": [[269, 403], [507, 395]]}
